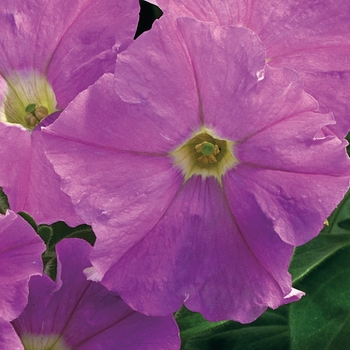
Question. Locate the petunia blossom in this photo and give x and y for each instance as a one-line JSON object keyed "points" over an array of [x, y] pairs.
{"points": [[20, 258], [202, 173], [312, 37], [74, 313], [50, 51]]}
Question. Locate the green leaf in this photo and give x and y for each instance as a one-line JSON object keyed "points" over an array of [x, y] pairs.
{"points": [[345, 224], [84, 232], [56, 232], [249, 338], [61, 230], [321, 319], [193, 324], [4, 203], [45, 232], [339, 217], [29, 219], [270, 331], [50, 263], [311, 255]]}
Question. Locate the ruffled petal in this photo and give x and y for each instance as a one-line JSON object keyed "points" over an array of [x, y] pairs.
{"points": [[299, 143], [15, 154], [297, 203], [45, 200], [8, 336], [73, 43], [311, 37], [84, 314], [20, 258], [198, 253], [167, 86]]}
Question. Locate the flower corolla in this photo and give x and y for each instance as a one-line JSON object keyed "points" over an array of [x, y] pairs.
{"points": [[312, 37], [50, 51], [206, 168], [73, 313]]}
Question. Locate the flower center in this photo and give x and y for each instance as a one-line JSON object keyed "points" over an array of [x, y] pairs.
{"points": [[43, 342], [205, 155], [28, 99], [209, 151]]}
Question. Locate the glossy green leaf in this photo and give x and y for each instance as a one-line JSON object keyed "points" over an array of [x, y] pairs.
{"points": [[321, 319], [193, 324], [257, 338], [45, 232], [345, 224], [61, 230], [311, 255], [339, 218], [268, 331]]}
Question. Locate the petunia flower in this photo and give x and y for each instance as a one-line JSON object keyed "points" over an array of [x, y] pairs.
{"points": [[74, 313], [312, 37], [20, 258], [50, 51], [201, 174]]}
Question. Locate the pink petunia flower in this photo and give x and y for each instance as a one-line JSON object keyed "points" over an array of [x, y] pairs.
{"points": [[20, 258], [202, 175], [74, 313], [312, 37], [50, 51]]}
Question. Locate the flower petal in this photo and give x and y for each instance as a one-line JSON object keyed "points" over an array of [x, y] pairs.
{"points": [[311, 37], [117, 182], [28, 178], [197, 254], [20, 258], [45, 200], [85, 314], [297, 144], [167, 85], [99, 117], [15, 164], [8, 336], [297, 203], [73, 42]]}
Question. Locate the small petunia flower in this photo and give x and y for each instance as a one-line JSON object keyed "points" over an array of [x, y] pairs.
{"points": [[20, 258], [204, 171], [312, 37], [50, 51], [74, 313]]}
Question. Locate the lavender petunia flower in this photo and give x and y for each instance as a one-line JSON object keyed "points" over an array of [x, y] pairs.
{"points": [[201, 177], [74, 313], [50, 51], [312, 37], [20, 258]]}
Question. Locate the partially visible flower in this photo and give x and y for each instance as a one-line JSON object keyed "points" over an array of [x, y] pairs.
{"points": [[20, 258], [50, 51], [74, 313], [8, 336], [312, 37], [203, 173]]}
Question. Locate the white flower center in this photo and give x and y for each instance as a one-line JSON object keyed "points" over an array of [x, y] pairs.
{"points": [[23, 91], [43, 342], [206, 155]]}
